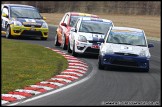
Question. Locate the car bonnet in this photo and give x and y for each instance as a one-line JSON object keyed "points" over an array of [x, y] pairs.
{"points": [[26, 21], [126, 48]]}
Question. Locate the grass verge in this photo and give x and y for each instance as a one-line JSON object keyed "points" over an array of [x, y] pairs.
{"points": [[26, 64]]}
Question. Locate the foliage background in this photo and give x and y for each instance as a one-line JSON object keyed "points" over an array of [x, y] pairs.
{"points": [[107, 7]]}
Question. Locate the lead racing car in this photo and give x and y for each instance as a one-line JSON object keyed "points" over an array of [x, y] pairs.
{"points": [[124, 46]]}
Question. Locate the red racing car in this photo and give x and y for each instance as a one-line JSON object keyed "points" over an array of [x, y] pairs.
{"points": [[63, 30]]}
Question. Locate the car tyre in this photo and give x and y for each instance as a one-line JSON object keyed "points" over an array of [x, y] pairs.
{"points": [[73, 52], [64, 46], [68, 48], [56, 41], [100, 66], [144, 70], [43, 38], [8, 32]]}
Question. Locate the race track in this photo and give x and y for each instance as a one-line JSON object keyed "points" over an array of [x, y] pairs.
{"points": [[104, 86]]}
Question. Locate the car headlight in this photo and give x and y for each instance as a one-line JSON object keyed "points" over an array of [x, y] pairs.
{"points": [[44, 25], [103, 53], [82, 38], [142, 53], [17, 23], [108, 51]]}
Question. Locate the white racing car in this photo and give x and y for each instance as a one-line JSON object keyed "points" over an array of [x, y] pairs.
{"points": [[86, 35], [125, 46]]}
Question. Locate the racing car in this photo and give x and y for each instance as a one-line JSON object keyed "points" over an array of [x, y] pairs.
{"points": [[22, 20], [65, 25], [126, 47], [86, 35]]}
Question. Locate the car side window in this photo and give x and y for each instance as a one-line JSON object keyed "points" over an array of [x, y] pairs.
{"points": [[5, 11], [4, 19], [76, 24]]}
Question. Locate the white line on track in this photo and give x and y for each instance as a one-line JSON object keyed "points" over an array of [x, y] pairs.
{"points": [[57, 90], [60, 89]]}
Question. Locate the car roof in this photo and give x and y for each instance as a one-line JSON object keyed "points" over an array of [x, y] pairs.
{"points": [[95, 19], [20, 5], [125, 29], [82, 14], [106, 20]]}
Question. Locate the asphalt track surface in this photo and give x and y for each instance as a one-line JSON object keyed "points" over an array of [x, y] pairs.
{"points": [[109, 86]]}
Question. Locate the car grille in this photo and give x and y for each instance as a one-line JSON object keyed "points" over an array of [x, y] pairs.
{"points": [[124, 62], [35, 26], [91, 50], [125, 54], [31, 33]]}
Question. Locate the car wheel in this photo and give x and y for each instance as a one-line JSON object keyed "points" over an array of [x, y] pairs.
{"points": [[100, 66], [64, 47], [43, 38], [144, 70], [56, 41], [68, 48], [8, 32], [73, 52]]}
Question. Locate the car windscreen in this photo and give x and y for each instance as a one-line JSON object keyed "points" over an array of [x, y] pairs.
{"points": [[89, 26], [128, 38], [73, 19], [24, 12]]}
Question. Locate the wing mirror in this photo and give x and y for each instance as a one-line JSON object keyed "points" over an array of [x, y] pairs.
{"points": [[44, 18], [101, 40], [64, 24], [150, 45]]}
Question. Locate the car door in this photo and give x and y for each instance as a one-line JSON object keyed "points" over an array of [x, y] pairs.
{"points": [[64, 28], [74, 34], [4, 18]]}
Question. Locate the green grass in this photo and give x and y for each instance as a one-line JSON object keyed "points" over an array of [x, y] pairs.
{"points": [[26, 64]]}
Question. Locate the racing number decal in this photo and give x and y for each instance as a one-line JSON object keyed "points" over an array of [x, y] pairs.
{"points": [[98, 36], [30, 20]]}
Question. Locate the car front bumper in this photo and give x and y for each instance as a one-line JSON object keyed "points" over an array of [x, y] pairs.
{"points": [[125, 61], [28, 31], [86, 48]]}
